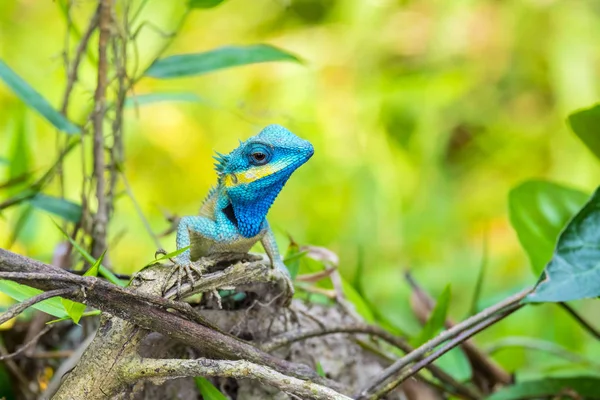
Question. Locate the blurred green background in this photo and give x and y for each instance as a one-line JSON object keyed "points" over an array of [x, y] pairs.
{"points": [[423, 115]]}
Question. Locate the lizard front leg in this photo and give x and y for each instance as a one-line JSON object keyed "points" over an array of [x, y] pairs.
{"points": [[200, 226], [270, 245]]}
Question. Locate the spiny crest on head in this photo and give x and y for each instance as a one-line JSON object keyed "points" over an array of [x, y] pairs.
{"points": [[221, 164]]}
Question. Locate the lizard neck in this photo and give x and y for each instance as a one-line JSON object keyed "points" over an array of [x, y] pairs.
{"points": [[250, 215]]}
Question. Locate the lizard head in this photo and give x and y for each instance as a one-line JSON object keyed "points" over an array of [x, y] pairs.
{"points": [[253, 174]]}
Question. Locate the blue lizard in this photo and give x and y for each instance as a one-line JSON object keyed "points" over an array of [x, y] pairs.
{"points": [[233, 215]]}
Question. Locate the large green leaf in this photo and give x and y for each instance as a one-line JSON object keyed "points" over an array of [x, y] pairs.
{"points": [[204, 3], [208, 390], [436, 320], [538, 211], [65, 209], [586, 125], [35, 100], [583, 387], [225, 57], [52, 306], [574, 271]]}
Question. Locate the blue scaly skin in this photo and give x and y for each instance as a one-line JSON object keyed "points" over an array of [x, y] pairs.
{"points": [[233, 215]]}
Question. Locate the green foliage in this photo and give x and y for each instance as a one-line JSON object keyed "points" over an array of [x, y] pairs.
{"points": [[35, 100], [52, 306], [538, 211], [167, 256], [437, 318], [204, 3], [574, 271], [103, 271], [63, 208], [292, 258], [208, 390], [74, 308], [586, 125], [320, 370], [152, 98], [225, 57], [580, 387]]}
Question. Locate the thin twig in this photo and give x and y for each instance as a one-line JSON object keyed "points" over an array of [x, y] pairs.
{"points": [[72, 75], [18, 308], [378, 391], [140, 368], [26, 345], [584, 324], [101, 217]]}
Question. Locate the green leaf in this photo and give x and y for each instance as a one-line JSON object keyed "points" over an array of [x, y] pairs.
{"points": [[574, 271], [436, 320], [35, 100], [456, 364], [204, 3], [538, 211], [85, 314], [320, 370], [361, 306], [225, 57], [65, 209], [150, 98], [169, 255], [76, 309], [580, 387], [292, 258], [586, 125], [52, 306], [102, 270], [208, 390]]}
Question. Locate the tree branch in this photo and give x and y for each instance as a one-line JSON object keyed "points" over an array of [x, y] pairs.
{"points": [[144, 368], [139, 308]]}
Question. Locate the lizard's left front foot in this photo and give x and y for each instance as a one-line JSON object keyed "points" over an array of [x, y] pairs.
{"points": [[180, 268]]}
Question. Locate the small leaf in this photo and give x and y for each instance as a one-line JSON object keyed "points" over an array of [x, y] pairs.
{"points": [[93, 270], [208, 390], [579, 387], [76, 309], [150, 98], [52, 306], [102, 270], [320, 370], [436, 320], [65, 209], [538, 211], [225, 57], [204, 3], [574, 271], [85, 314], [35, 100], [586, 125], [292, 258], [169, 255]]}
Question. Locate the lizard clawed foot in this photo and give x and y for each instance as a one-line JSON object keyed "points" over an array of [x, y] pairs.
{"points": [[181, 268]]}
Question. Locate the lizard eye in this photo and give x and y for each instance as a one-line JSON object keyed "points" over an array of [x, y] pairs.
{"points": [[259, 156]]}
